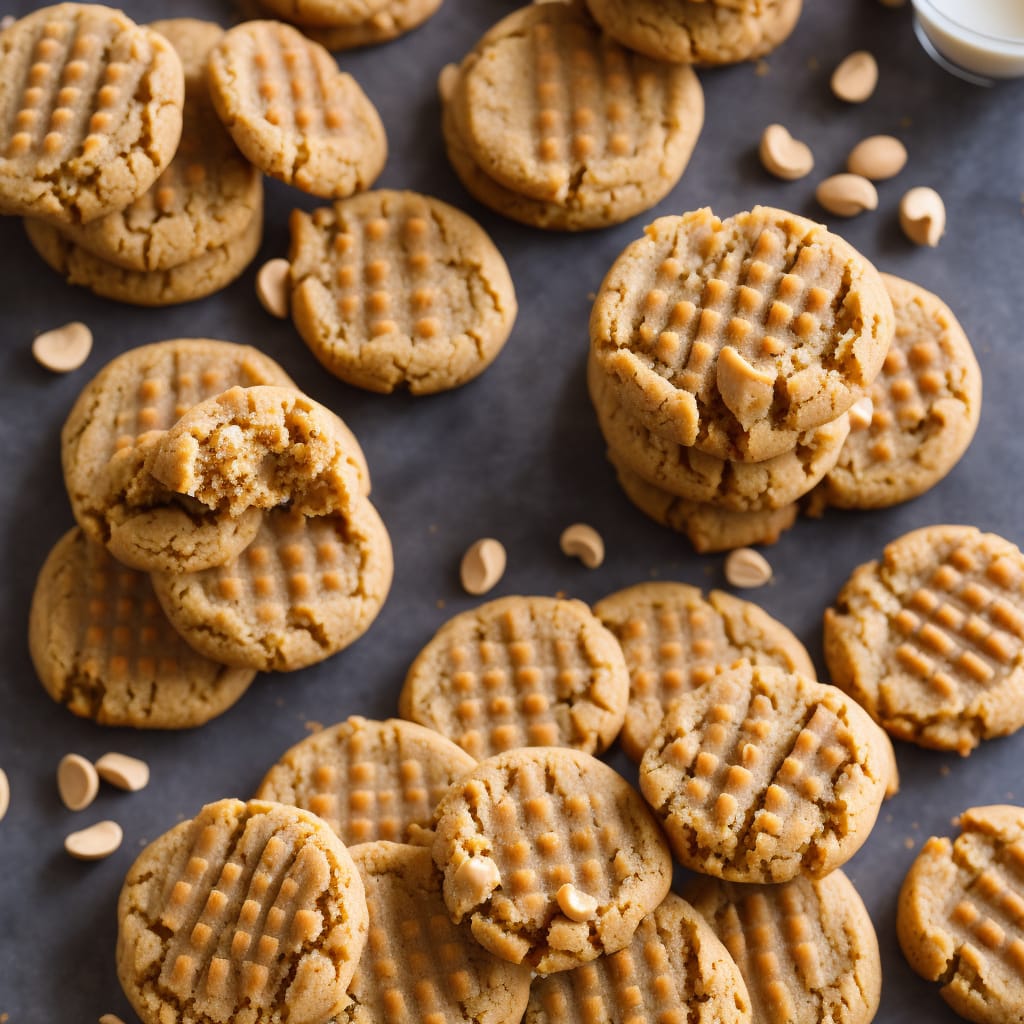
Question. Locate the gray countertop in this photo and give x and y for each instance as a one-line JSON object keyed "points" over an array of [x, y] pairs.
{"points": [[515, 455]]}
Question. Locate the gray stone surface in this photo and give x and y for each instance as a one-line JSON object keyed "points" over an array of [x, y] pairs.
{"points": [[516, 455]]}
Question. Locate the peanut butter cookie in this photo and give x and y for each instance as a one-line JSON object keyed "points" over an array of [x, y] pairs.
{"points": [[394, 20]]}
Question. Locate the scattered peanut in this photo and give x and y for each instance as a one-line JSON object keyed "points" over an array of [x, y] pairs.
{"points": [[854, 80], [576, 905], [861, 413], [784, 156], [447, 81], [747, 568], [95, 842], [123, 771], [5, 794], [847, 195], [272, 287], [77, 781], [923, 216], [583, 542], [64, 348], [482, 566], [110, 1018], [878, 157]]}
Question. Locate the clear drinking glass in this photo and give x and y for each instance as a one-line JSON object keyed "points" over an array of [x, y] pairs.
{"points": [[981, 41]]}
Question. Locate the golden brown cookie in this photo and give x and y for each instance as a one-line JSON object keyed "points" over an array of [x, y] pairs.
{"points": [[195, 279], [418, 966], [518, 672], [761, 775], [737, 335], [698, 477], [552, 856], [369, 780], [325, 13], [304, 589], [260, 447], [395, 289], [674, 971], [247, 912], [925, 408], [707, 527], [397, 18], [698, 31], [960, 919], [293, 113], [114, 424], [102, 646], [90, 109], [205, 199], [674, 640], [806, 949], [931, 638]]}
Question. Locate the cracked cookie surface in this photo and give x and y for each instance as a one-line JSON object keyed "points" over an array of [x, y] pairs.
{"points": [[90, 112], [806, 949], [249, 913], [395, 289], [930, 639], [960, 918], [102, 647], [517, 672], [551, 855], [698, 31], [761, 775], [734, 336], [674, 639], [293, 113]]}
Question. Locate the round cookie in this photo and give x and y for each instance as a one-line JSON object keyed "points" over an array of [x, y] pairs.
{"points": [[250, 912], [552, 856], [518, 672], [260, 447], [735, 336], [674, 640], [369, 780], [324, 13], [696, 476], [673, 961], [293, 113], [926, 404], [698, 31], [102, 647], [214, 270], [90, 109], [394, 289], [553, 110], [114, 424], [761, 775], [707, 527], [960, 919], [205, 199], [399, 17], [304, 589], [930, 640], [418, 965], [806, 949]]}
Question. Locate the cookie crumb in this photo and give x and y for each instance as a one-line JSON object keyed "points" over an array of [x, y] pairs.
{"points": [[943, 770], [813, 64], [439, 603], [312, 726], [762, 68], [909, 843]]}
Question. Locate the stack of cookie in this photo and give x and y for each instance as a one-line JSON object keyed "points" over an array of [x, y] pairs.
{"points": [[724, 357], [552, 123], [219, 533], [346, 24]]}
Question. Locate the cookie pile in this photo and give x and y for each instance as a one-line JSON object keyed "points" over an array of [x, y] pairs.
{"points": [[135, 152], [725, 355], [345, 24], [223, 528]]}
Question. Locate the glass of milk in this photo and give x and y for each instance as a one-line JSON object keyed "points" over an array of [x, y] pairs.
{"points": [[980, 40]]}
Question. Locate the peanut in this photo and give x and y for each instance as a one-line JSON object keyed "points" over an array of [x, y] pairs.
{"points": [[576, 905], [854, 80], [861, 413], [878, 157], [96, 842], [483, 565], [5, 794], [784, 156], [923, 216], [747, 568], [64, 348], [846, 195], [77, 782], [123, 771], [272, 287], [583, 542]]}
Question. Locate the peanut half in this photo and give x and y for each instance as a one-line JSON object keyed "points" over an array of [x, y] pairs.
{"points": [[923, 216], [583, 542], [878, 157], [854, 80], [272, 287], [77, 782], [784, 156], [483, 565], [64, 348], [123, 771], [847, 195], [5, 794], [96, 842], [746, 568], [577, 906]]}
